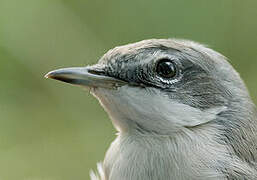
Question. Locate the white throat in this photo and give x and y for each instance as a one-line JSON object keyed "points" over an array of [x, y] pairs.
{"points": [[150, 109], [163, 150]]}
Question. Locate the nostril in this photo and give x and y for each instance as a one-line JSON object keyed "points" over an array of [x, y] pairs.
{"points": [[97, 71]]}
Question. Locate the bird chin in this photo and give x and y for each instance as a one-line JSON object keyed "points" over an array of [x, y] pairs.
{"points": [[150, 110], [106, 98], [133, 107]]}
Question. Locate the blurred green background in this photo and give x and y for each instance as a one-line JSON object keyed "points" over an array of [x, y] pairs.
{"points": [[52, 131]]}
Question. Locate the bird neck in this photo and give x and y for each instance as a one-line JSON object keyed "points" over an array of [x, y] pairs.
{"points": [[147, 156]]}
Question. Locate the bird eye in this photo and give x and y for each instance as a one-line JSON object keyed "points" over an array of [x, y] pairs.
{"points": [[166, 68]]}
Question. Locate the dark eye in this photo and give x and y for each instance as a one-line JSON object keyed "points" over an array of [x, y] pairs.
{"points": [[166, 68]]}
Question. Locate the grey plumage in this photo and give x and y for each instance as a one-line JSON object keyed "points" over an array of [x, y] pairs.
{"points": [[200, 124]]}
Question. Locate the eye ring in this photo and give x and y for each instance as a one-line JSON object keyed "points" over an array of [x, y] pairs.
{"points": [[166, 68]]}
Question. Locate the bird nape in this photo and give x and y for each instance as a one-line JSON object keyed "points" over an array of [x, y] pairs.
{"points": [[181, 110]]}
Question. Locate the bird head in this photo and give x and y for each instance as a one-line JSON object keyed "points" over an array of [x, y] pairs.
{"points": [[160, 86]]}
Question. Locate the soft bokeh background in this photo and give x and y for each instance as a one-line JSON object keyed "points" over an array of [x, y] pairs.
{"points": [[52, 131]]}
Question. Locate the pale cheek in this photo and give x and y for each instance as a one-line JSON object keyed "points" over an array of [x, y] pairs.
{"points": [[130, 105], [151, 109]]}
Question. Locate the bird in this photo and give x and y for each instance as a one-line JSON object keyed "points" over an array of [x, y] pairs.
{"points": [[181, 112]]}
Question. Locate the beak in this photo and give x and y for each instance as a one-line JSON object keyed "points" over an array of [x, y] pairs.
{"points": [[85, 76]]}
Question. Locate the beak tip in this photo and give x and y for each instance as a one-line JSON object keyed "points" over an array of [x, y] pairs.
{"points": [[49, 75], [46, 76]]}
